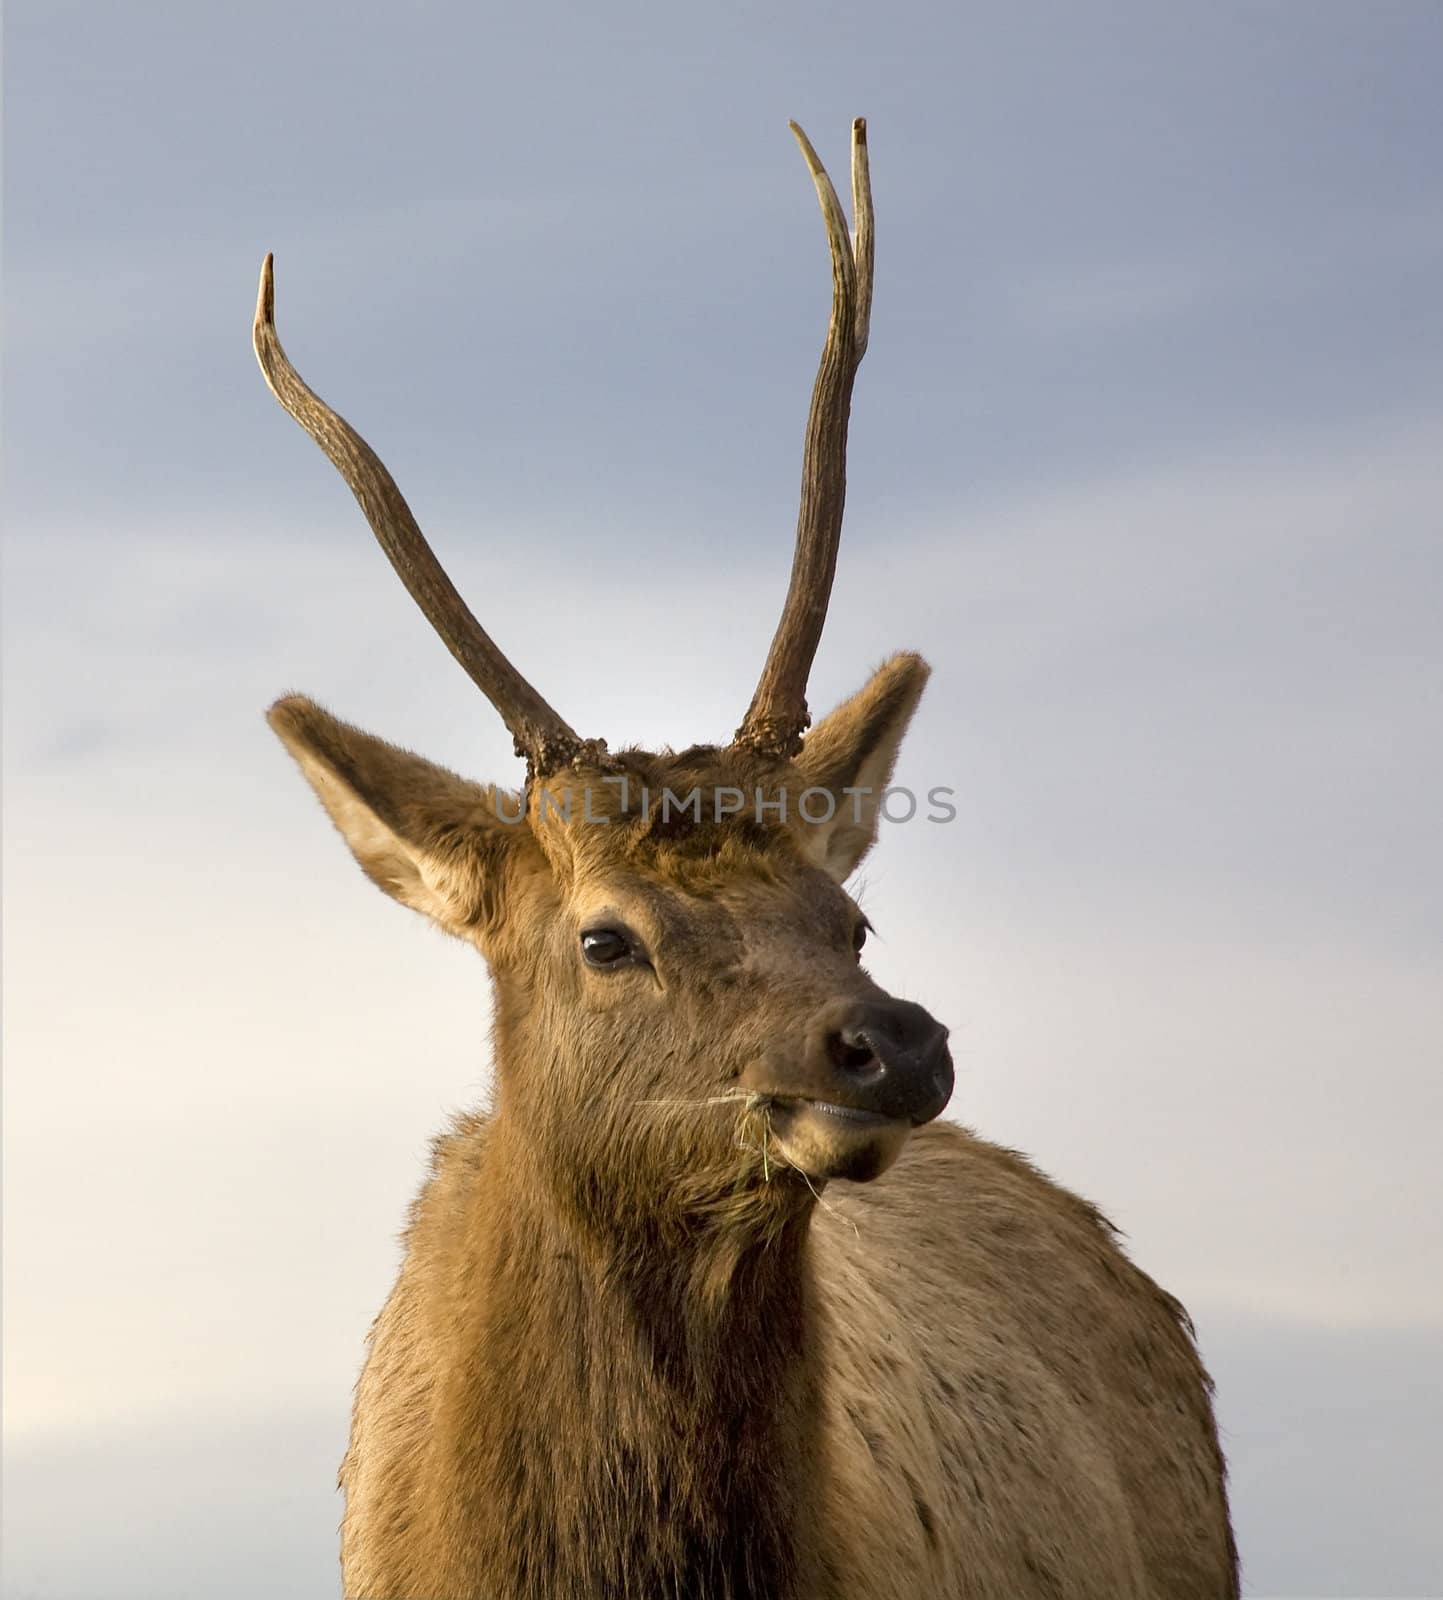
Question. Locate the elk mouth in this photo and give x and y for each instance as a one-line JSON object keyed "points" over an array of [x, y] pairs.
{"points": [[824, 1139], [847, 1113]]}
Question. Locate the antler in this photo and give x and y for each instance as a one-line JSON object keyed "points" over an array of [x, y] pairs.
{"points": [[778, 714], [540, 734]]}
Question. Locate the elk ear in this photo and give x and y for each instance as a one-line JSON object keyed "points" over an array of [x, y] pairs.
{"points": [[851, 753], [430, 839]]}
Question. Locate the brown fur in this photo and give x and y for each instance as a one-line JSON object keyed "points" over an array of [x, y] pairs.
{"points": [[633, 1352]]}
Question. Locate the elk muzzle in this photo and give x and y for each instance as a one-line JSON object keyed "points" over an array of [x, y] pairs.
{"points": [[871, 1071], [892, 1060]]}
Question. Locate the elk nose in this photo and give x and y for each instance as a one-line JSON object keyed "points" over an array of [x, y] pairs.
{"points": [[894, 1059]]}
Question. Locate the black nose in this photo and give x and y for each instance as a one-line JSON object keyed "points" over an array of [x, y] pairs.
{"points": [[894, 1059]]}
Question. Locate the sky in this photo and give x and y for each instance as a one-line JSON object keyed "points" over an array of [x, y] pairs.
{"points": [[1147, 459]]}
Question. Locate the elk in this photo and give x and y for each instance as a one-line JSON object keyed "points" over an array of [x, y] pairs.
{"points": [[657, 1334]]}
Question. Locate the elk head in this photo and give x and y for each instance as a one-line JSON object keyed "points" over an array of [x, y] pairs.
{"points": [[683, 1024]]}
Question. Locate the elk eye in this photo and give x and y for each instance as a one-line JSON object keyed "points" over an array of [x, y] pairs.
{"points": [[604, 947], [859, 938]]}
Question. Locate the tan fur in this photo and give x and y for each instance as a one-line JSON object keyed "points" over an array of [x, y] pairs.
{"points": [[631, 1351]]}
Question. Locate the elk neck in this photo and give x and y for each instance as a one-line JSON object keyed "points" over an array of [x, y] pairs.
{"points": [[641, 1400]]}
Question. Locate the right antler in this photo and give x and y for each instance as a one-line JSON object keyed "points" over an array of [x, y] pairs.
{"points": [[778, 716], [541, 735]]}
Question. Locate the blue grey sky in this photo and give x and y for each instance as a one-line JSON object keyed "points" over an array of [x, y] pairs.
{"points": [[1147, 459]]}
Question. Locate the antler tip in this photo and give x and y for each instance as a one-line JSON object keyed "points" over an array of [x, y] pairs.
{"points": [[813, 160], [266, 296], [859, 130]]}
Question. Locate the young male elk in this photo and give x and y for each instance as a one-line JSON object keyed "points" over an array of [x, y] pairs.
{"points": [[631, 1352]]}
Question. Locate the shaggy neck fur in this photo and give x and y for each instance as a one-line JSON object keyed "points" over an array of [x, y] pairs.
{"points": [[632, 1415]]}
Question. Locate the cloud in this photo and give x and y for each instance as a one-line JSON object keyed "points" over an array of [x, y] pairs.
{"points": [[1100, 295], [168, 1509], [1145, 459], [1330, 1496]]}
